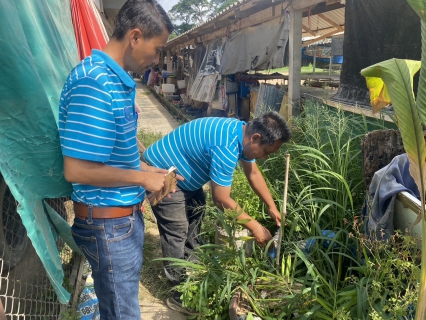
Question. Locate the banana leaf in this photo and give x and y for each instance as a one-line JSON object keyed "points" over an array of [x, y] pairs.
{"points": [[394, 79]]}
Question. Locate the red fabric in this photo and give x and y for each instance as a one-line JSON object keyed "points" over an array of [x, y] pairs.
{"points": [[87, 31]]}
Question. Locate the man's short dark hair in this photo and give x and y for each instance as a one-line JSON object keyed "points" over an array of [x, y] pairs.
{"points": [[271, 126], [145, 15]]}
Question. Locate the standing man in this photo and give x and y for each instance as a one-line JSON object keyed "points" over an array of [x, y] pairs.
{"points": [[203, 150], [97, 127]]}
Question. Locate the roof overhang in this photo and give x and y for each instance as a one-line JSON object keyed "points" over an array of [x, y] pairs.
{"points": [[321, 19]]}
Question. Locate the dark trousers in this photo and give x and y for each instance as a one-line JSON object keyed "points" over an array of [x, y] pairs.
{"points": [[179, 222]]}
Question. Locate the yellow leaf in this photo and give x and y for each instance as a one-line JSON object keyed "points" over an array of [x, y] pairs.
{"points": [[379, 96]]}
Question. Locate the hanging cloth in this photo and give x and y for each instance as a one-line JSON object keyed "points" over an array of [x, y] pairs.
{"points": [[88, 32]]}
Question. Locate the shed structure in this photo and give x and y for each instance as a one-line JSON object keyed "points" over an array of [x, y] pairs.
{"points": [[298, 19]]}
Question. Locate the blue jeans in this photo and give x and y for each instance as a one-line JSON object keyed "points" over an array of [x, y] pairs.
{"points": [[114, 249]]}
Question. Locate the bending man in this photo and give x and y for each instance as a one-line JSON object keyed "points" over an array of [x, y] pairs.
{"points": [[204, 150]]}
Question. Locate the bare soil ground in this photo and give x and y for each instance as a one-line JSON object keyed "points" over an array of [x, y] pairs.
{"points": [[153, 289]]}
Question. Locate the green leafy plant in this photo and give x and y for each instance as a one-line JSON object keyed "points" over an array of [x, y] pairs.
{"points": [[388, 278], [392, 81], [318, 277], [219, 270], [244, 195]]}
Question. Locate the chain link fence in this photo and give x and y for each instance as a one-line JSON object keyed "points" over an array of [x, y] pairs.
{"points": [[25, 290]]}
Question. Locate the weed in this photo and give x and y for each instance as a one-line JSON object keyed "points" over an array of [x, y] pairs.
{"points": [[148, 137], [70, 314]]}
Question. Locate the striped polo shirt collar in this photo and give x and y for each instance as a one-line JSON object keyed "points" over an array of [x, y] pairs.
{"points": [[116, 68], [240, 133]]}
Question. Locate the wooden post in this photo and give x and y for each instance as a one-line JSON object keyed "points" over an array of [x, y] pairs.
{"points": [[284, 210], [295, 50], [169, 65], [315, 60]]}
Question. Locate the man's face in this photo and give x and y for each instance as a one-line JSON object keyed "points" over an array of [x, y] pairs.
{"points": [[145, 52], [255, 150]]}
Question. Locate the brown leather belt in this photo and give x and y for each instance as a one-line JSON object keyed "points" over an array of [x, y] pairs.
{"points": [[81, 211]]}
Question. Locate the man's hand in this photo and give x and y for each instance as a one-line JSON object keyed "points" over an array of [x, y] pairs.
{"points": [[147, 168], [153, 181], [276, 216], [262, 235]]}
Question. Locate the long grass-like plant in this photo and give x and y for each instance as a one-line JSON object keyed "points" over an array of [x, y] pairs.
{"points": [[325, 191]]}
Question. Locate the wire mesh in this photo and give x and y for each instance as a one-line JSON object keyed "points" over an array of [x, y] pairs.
{"points": [[25, 290]]}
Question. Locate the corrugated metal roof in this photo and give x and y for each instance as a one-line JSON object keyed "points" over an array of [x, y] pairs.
{"points": [[214, 18], [319, 26]]}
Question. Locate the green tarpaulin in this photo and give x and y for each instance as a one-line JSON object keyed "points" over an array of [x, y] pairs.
{"points": [[37, 51]]}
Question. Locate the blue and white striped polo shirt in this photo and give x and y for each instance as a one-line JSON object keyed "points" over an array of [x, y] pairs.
{"points": [[202, 150], [98, 122]]}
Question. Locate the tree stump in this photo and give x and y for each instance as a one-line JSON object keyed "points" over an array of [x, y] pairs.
{"points": [[378, 149]]}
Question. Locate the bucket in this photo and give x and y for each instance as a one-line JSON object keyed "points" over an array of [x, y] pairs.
{"points": [[168, 88], [181, 84]]}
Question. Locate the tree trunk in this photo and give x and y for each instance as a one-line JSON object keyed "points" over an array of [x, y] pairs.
{"points": [[375, 30]]}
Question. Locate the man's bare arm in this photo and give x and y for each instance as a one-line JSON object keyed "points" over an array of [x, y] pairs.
{"points": [[101, 175]]}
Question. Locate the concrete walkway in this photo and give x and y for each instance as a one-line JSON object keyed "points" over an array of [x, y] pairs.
{"points": [[154, 117]]}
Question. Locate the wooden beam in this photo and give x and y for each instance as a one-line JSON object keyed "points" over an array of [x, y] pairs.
{"points": [[303, 4], [307, 43], [255, 3], [255, 9], [204, 30], [253, 20], [321, 9], [334, 24], [306, 29], [223, 23], [237, 13]]}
